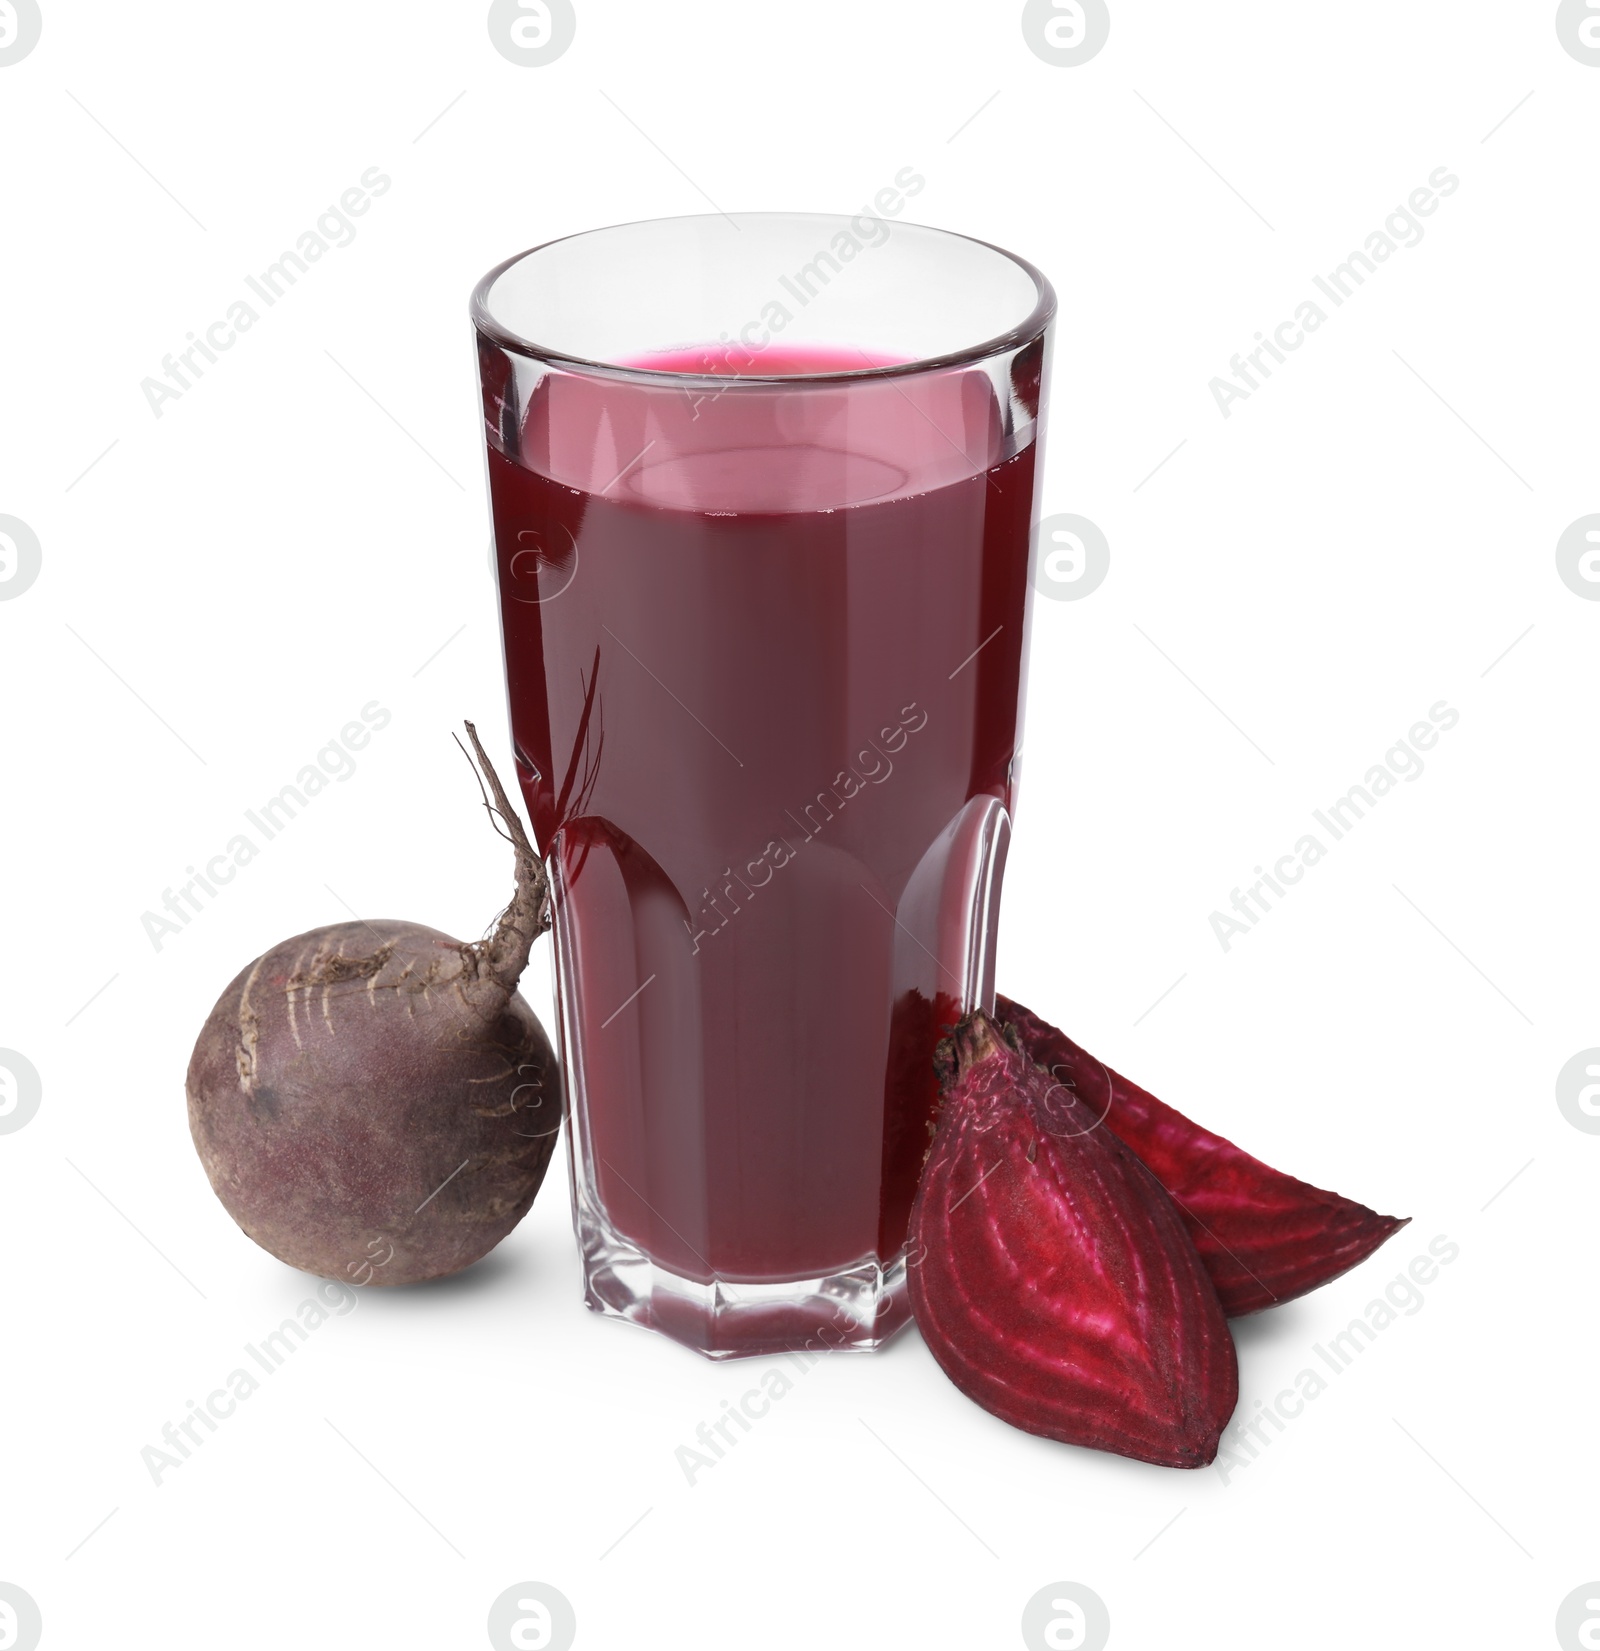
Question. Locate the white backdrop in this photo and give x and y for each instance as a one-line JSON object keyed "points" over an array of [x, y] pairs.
{"points": [[202, 593]]}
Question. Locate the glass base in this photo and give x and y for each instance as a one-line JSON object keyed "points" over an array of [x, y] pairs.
{"points": [[856, 1310]]}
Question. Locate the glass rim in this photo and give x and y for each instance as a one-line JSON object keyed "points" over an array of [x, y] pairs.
{"points": [[1024, 332]]}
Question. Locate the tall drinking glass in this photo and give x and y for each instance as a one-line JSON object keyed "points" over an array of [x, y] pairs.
{"points": [[763, 489]]}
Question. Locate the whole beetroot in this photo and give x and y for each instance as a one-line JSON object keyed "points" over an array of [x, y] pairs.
{"points": [[373, 1101]]}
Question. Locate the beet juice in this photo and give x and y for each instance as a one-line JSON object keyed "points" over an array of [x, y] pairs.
{"points": [[765, 634]]}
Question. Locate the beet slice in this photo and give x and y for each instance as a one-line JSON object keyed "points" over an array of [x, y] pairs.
{"points": [[1264, 1236], [1050, 1275]]}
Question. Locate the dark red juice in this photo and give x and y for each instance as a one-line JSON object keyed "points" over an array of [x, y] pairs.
{"points": [[764, 657]]}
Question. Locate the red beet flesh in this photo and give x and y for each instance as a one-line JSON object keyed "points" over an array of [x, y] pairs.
{"points": [[1051, 1276], [1264, 1236]]}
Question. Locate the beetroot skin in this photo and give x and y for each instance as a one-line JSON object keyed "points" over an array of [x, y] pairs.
{"points": [[1264, 1236], [1051, 1276], [373, 1101]]}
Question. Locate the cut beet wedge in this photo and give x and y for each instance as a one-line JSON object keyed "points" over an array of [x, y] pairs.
{"points": [[1264, 1236], [1052, 1278]]}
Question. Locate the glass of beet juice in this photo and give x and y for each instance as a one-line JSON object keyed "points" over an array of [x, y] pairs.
{"points": [[763, 487]]}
